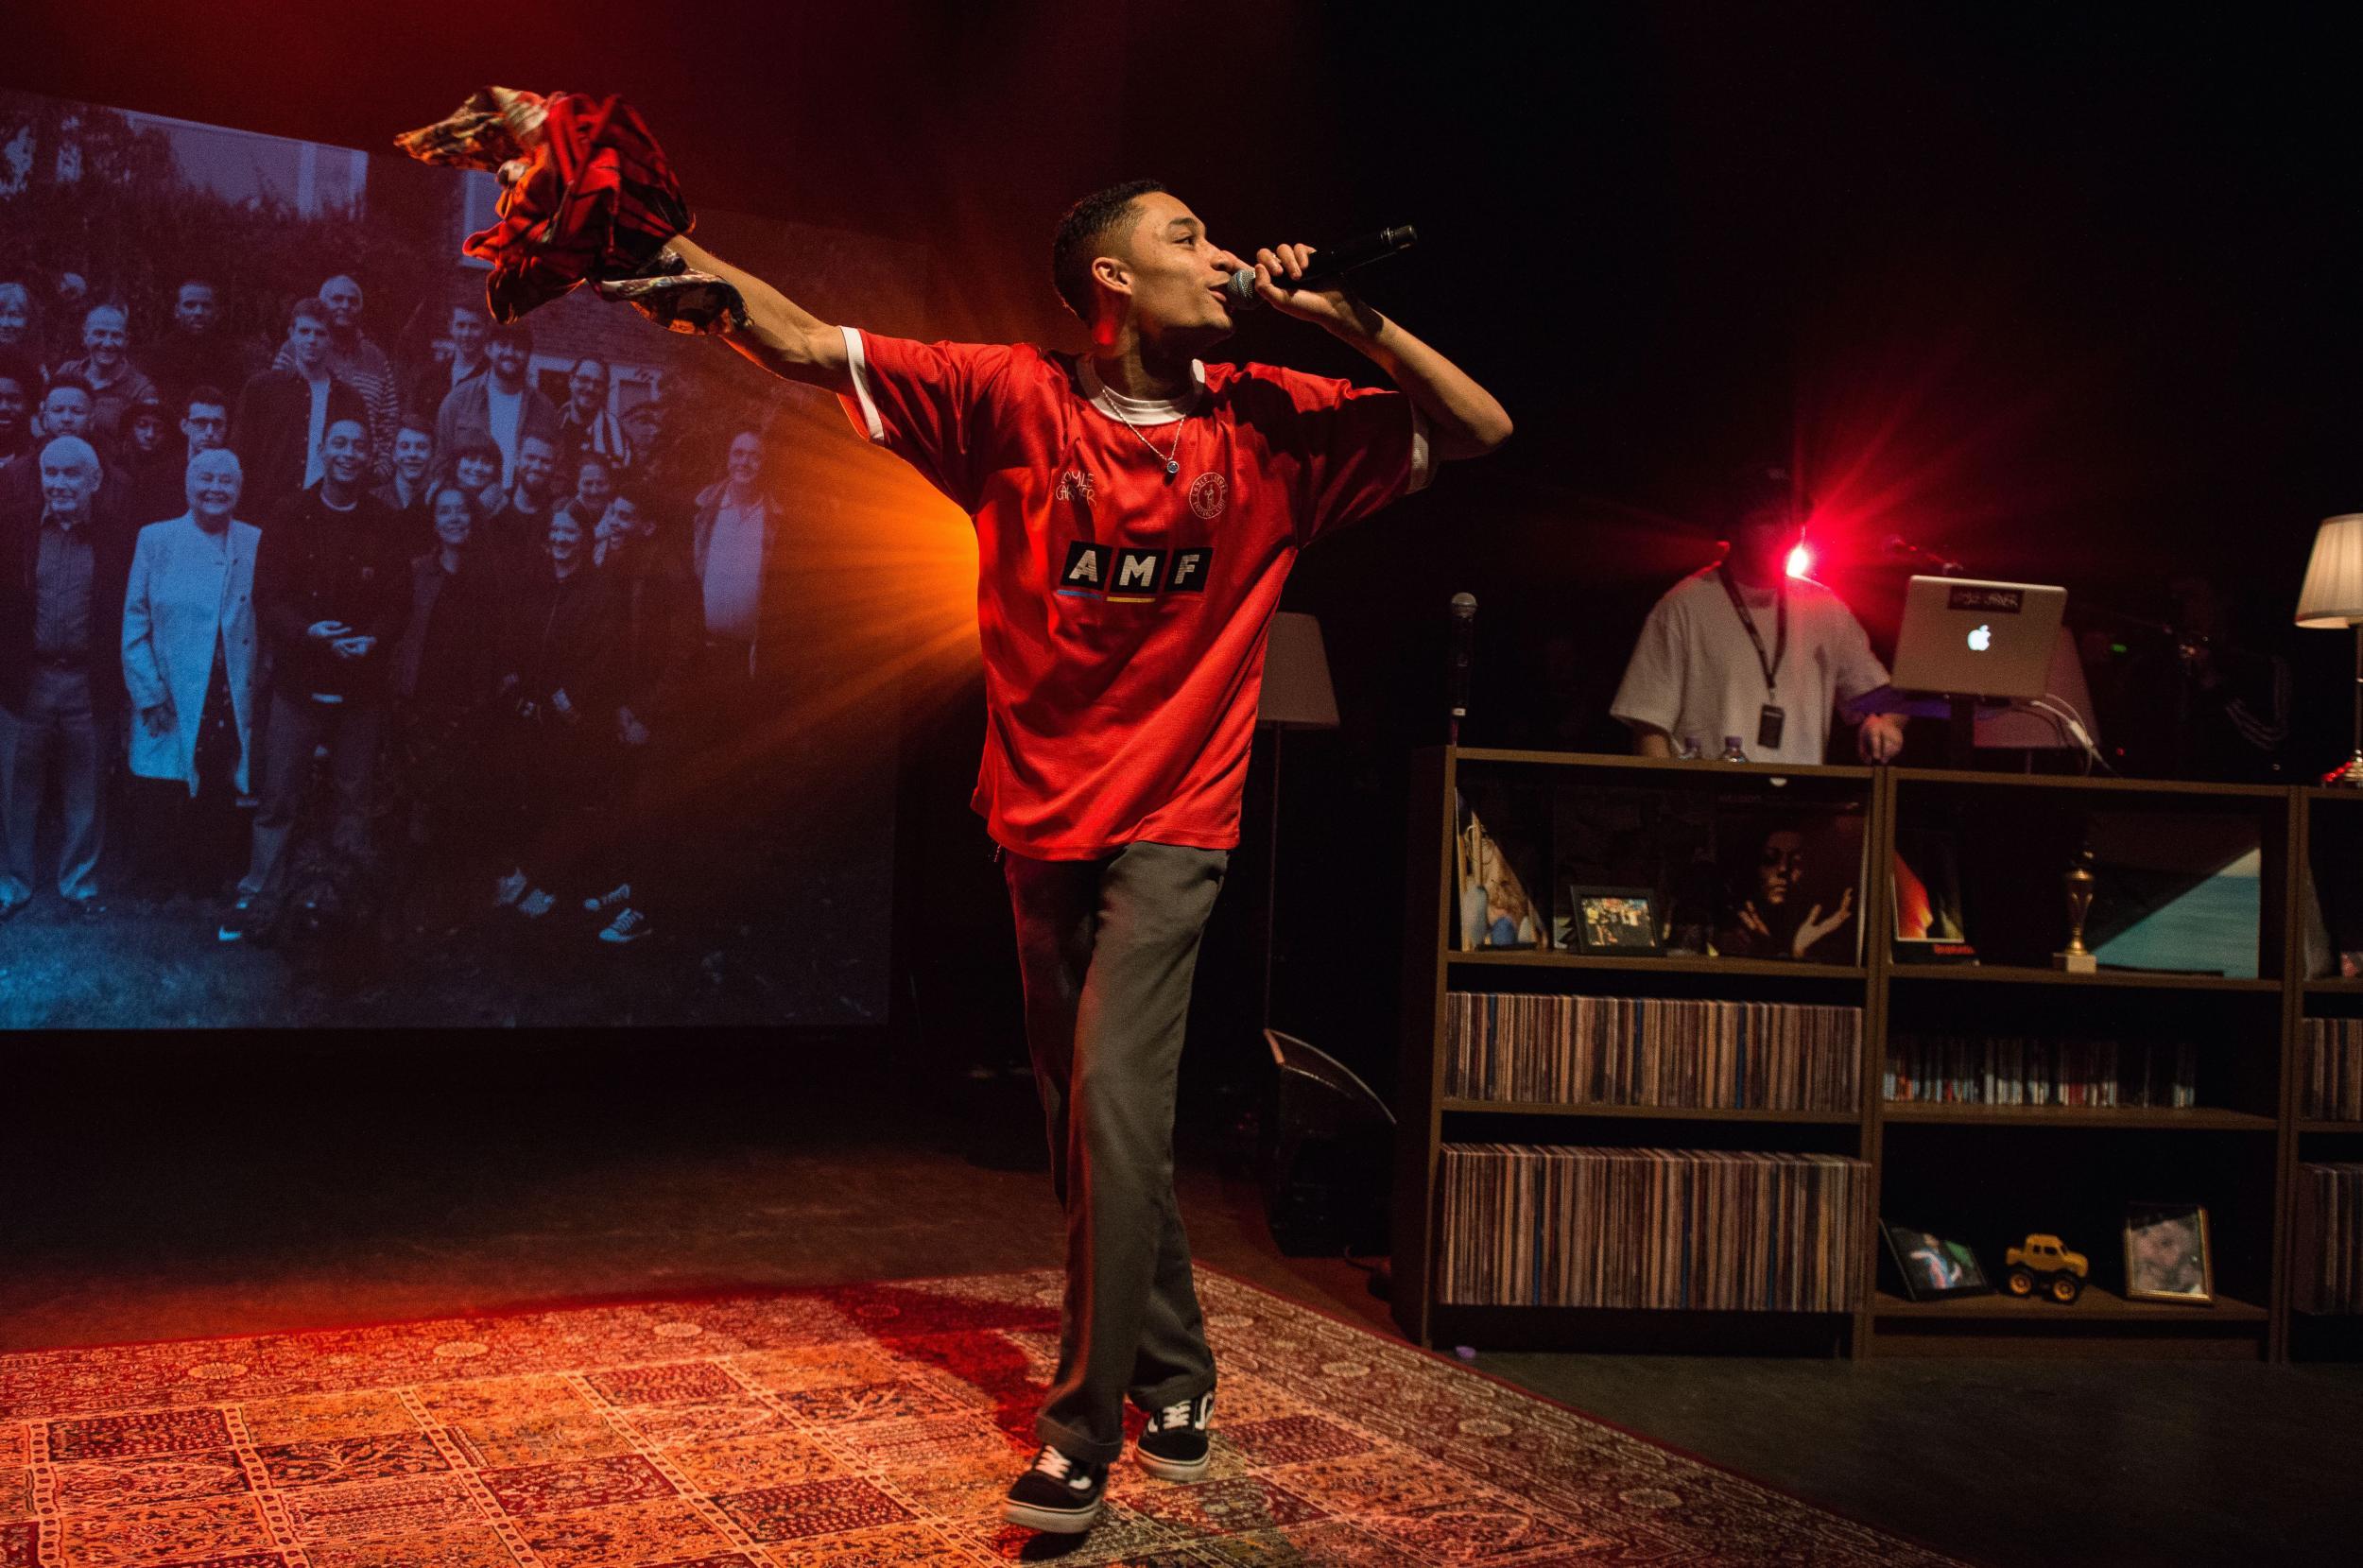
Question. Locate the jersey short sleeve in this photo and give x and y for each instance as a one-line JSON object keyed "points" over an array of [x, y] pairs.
{"points": [[929, 404], [1359, 447]]}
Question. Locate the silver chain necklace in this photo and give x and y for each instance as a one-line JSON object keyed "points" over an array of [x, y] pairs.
{"points": [[1173, 459]]}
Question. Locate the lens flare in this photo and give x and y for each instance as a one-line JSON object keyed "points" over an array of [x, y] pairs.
{"points": [[1800, 561]]}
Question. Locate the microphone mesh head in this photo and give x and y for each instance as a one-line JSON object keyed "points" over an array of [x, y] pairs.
{"points": [[1240, 290], [1464, 604]]}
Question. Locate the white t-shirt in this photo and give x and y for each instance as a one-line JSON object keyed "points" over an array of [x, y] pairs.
{"points": [[314, 464], [502, 410], [1695, 676], [733, 579]]}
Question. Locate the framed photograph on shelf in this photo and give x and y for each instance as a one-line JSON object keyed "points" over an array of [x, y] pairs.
{"points": [[1933, 1269], [1618, 921], [2167, 1254]]}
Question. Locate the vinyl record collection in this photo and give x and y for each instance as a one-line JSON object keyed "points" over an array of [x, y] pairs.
{"points": [[2012, 1070], [1681, 1229], [2329, 1238], [1611, 1050], [2332, 1069]]}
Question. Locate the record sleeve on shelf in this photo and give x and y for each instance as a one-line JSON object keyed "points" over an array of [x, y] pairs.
{"points": [[1691, 1229], [1791, 879], [1924, 892], [1495, 861]]}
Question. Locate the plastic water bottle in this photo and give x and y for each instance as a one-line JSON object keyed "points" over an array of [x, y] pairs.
{"points": [[1730, 751], [1690, 748]]}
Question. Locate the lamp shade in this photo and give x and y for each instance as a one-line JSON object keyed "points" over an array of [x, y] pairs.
{"points": [[1295, 675], [2333, 595]]}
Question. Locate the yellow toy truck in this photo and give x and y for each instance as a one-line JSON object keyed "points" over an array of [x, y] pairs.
{"points": [[2044, 1264]]}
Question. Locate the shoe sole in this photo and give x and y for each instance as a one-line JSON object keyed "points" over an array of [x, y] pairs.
{"points": [[1052, 1521], [1173, 1470]]}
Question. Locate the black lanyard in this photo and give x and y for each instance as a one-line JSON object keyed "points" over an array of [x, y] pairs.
{"points": [[1770, 663]]}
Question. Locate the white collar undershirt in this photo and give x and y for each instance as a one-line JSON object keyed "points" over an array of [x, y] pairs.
{"points": [[1116, 405]]}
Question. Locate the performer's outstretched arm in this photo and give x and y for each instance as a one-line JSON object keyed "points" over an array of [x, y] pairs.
{"points": [[1465, 419], [782, 335]]}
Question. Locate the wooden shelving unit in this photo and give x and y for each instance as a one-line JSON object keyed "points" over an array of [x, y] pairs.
{"points": [[2239, 1153], [2329, 847]]}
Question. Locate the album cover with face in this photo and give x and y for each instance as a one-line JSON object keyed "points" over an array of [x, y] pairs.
{"points": [[1791, 880]]}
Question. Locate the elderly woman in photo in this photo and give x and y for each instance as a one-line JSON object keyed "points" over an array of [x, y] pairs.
{"points": [[188, 665]]}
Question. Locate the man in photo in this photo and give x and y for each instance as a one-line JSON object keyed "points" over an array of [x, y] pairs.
{"points": [[285, 413], [356, 361], [1137, 510], [331, 595], [19, 386], [62, 571], [501, 406], [467, 331], [1741, 648], [404, 492], [195, 351], [116, 385], [587, 427]]}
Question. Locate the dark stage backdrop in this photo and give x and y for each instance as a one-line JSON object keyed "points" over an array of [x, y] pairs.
{"points": [[2065, 293]]}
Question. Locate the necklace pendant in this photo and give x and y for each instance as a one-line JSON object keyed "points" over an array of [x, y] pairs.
{"points": [[1173, 466]]}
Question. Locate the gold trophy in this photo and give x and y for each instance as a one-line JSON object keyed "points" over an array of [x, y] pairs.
{"points": [[2078, 884]]}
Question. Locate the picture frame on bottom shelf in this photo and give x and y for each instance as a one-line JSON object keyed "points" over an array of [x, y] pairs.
{"points": [[1933, 1269], [2169, 1254], [1621, 922]]}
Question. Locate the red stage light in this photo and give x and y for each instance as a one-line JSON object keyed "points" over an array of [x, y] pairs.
{"points": [[1800, 562]]}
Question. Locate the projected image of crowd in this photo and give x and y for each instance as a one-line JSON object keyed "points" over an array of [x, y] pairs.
{"points": [[292, 630]]}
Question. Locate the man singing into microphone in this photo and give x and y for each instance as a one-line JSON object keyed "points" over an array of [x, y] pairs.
{"points": [[1136, 513], [1744, 649]]}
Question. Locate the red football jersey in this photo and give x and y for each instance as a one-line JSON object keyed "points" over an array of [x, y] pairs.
{"points": [[1124, 611]]}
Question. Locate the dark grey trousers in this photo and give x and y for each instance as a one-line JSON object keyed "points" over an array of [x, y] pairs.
{"points": [[1108, 949]]}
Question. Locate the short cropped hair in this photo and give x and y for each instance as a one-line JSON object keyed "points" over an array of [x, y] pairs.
{"points": [[71, 449], [307, 309], [511, 332], [214, 395], [1081, 235]]}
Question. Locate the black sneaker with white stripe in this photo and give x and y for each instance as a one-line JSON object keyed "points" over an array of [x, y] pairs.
{"points": [[1059, 1495], [1175, 1445]]}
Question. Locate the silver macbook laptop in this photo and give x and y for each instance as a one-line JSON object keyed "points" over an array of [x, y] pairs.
{"points": [[1965, 638]]}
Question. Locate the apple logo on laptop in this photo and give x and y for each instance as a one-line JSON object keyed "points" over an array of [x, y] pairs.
{"points": [[1980, 639]]}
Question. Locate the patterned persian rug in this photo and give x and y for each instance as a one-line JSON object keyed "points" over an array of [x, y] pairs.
{"points": [[838, 1428]]}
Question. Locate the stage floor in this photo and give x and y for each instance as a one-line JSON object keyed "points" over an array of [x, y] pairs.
{"points": [[206, 1186]]}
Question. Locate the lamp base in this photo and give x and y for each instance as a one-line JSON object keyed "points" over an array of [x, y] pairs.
{"points": [[2347, 775]]}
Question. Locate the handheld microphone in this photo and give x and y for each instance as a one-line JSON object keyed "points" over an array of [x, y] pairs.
{"points": [[1330, 263], [1462, 659]]}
